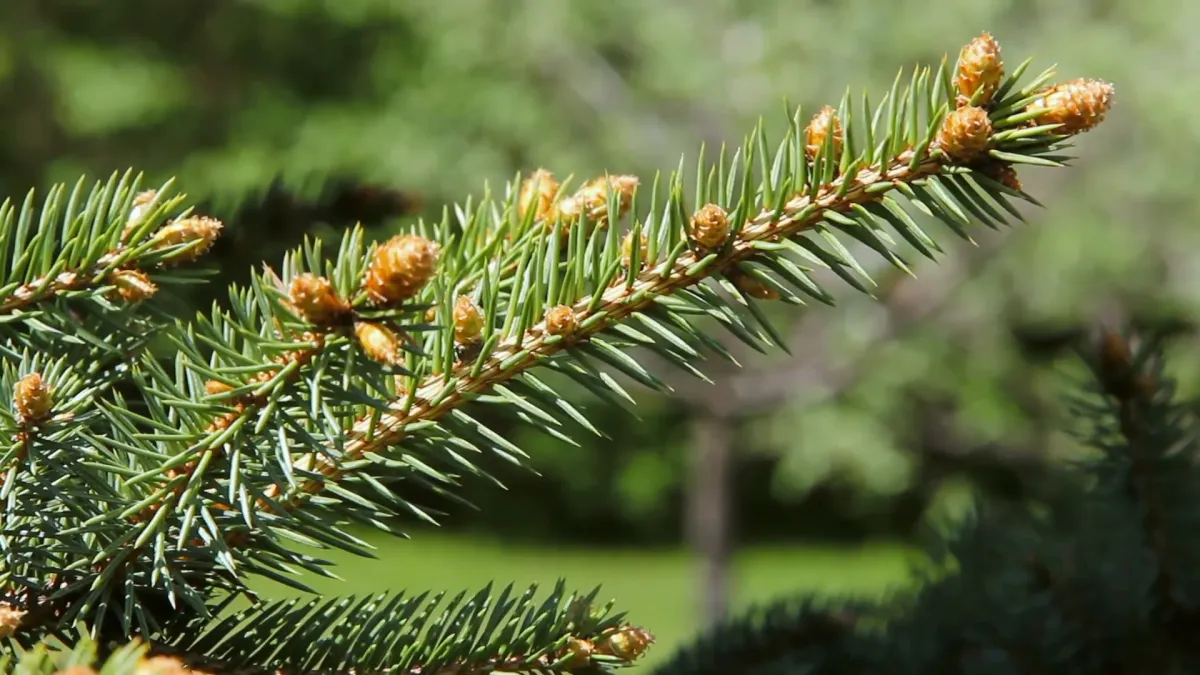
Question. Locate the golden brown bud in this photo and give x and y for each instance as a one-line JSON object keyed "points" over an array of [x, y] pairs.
{"points": [[627, 250], [215, 387], [1078, 105], [10, 620], [401, 268], [1003, 173], [579, 653], [539, 191], [965, 133], [133, 285], [34, 398], [141, 205], [200, 229], [628, 643], [825, 122], [592, 199], [378, 342], [468, 321], [980, 69], [316, 300], [751, 286], [561, 320], [710, 226]]}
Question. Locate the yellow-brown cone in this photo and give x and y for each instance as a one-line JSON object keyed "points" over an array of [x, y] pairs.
{"points": [[215, 387], [578, 653], [133, 285], [468, 321], [400, 268], [965, 132], [141, 205], [10, 620], [561, 320], [751, 286], [316, 300], [627, 644], [627, 250], [592, 199], [710, 226], [1003, 173], [1078, 105], [539, 192], [825, 122], [378, 342], [33, 397], [980, 69], [201, 229]]}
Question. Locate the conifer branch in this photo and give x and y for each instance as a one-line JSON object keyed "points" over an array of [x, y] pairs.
{"points": [[833, 187], [312, 374], [92, 250]]}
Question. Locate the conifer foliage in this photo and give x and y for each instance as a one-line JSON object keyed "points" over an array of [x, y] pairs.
{"points": [[349, 371], [1095, 576]]}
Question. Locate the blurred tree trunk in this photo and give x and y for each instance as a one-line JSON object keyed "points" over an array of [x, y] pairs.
{"points": [[710, 507]]}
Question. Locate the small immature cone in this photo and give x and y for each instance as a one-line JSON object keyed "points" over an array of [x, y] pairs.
{"points": [[710, 226], [592, 199], [214, 387], [133, 285], [628, 643], [561, 320], [1003, 173], [825, 122], [316, 300], [378, 342], [980, 69], [10, 620], [965, 133], [33, 397], [468, 321], [200, 229], [539, 192], [579, 653], [1078, 105], [627, 250], [401, 267], [751, 286], [141, 204]]}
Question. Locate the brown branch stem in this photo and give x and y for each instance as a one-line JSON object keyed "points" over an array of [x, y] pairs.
{"points": [[513, 356]]}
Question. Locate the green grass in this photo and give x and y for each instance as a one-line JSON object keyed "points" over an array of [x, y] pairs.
{"points": [[658, 589]]}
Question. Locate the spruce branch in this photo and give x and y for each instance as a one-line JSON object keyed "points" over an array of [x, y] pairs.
{"points": [[392, 633], [276, 416], [824, 178], [93, 249]]}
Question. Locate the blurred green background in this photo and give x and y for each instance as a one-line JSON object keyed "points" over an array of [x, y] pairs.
{"points": [[292, 116]]}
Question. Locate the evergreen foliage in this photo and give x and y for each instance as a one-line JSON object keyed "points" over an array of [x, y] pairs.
{"points": [[322, 393], [1094, 576]]}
